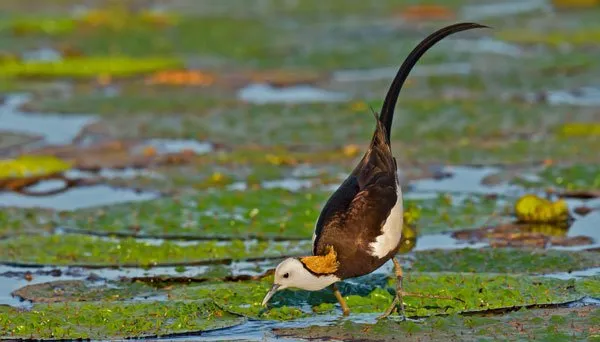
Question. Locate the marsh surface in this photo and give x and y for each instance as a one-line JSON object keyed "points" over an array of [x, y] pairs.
{"points": [[176, 151]]}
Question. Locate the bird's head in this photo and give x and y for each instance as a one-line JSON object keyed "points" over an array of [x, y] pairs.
{"points": [[310, 273]]}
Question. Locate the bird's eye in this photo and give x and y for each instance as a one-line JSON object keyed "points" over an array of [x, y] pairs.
{"points": [[287, 275]]}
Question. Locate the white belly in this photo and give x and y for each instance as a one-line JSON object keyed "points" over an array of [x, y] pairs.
{"points": [[391, 232]]}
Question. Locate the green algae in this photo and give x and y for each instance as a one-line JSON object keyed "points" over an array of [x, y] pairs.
{"points": [[573, 324], [72, 249], [113, 320], [503, 260]]}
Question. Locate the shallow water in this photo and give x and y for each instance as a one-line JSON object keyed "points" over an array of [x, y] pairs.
{"points": [[385, 73], [463, 179], [264, 93], [73, 198], [55, 129], [165, 146], [502, 9], [586, 97]]}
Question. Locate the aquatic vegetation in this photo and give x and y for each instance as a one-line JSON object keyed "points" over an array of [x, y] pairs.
{"points": [[533, 209], [265, 213], [15, 221], [100, 320], [503, 260], [87, 67], [474, 292], [257, 212], [74, 249], [80, 291], [28, 166], [577, 324]]}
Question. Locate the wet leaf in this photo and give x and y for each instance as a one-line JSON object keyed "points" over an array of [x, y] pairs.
{"points": [[533, 209], [87, 67], [73, 249], [100, 320], [508, 260], [31, 166]]}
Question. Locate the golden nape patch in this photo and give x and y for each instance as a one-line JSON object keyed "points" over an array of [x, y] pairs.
{"points": [[322, 264]]}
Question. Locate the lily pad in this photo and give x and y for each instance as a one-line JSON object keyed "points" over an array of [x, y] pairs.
{"points": [[72, 249], [474, 292], [574, 177], [24, 221], [31, 166], [264, 213], [79, 291], [113, 320], [86, 67], [503, 260], [574, 324], [259, 213]]}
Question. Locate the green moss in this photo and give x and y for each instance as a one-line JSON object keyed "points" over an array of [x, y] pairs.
{"points": [[113, 320], [86, 250], [503, 260]]}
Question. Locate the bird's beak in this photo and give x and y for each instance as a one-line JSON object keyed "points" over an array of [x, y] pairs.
{"points": [[270, 294]]}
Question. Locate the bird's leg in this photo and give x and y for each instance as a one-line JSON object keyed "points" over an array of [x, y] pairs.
{"points": [[398, 298], [341, 300]]}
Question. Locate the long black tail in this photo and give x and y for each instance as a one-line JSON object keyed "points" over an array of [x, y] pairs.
{"points": [[387, 110]]}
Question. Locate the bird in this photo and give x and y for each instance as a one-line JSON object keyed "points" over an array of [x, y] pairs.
{"points": [[360, 226]]}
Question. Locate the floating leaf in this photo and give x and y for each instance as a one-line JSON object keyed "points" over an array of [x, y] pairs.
{"points": [[181, 77], [85, 67], [533, 209], [31, 166]]}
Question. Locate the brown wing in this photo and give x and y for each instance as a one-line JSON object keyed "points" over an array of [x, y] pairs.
{"points": [[355, 213]]}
